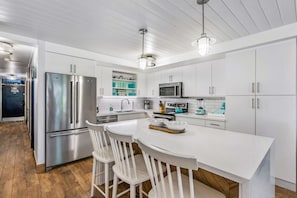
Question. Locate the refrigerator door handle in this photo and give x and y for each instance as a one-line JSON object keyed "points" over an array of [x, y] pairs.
{"points": [[77, 96], [61, 134], [71, 102], [81, 131]]}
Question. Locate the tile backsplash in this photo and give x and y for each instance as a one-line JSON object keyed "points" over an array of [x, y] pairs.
{"points": [[211, 104], [115, 102]]}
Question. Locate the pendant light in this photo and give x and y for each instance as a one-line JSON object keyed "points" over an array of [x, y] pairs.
{"points": [[145, 60], [204, 42]]}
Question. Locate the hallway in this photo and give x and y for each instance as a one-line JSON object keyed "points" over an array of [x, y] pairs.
{"points": [[18, 177]]}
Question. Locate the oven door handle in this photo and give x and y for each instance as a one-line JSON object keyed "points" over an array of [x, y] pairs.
{"points": [[164, 116]]}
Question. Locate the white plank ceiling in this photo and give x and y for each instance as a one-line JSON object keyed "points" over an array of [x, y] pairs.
{"points": [[111, 27]]}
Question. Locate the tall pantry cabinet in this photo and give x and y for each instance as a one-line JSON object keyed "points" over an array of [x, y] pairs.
{"points": [[261, 99]]}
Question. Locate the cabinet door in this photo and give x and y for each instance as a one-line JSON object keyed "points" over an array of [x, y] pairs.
{"points": [[84, 67], [203, 79], [106, 81], [176, 74], [240, 73], [189, 81], [141, 84], [276, 69], [218, 78], [240, 114], [58, 63], [152, 84], [276, 118], [164, 76]]}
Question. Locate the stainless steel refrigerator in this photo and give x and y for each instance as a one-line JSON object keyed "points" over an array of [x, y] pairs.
{"points": [[70, 100]]}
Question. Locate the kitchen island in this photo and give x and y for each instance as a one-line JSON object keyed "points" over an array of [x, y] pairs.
{"points": [[243, 158]]}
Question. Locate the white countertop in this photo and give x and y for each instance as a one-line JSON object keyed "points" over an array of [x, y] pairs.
{"points": [[229, 154]]}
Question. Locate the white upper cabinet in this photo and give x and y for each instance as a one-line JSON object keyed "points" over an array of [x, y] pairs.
{"points": [[59, 63], [171, 75], [267, 70], [141, 85], [104, 81], [203, 77], [218, 78], [276, 69], [189, 81], [152, 84], [210, 78], [240, 73]]}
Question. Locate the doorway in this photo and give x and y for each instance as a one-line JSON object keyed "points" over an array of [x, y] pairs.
{"points": [[13, 99]]}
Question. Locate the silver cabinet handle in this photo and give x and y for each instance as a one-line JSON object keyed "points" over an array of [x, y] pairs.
{"points": [[258, 87], [258, 103], [74, 68], [209, 90], [102, 91], [253, 103], [212, 124], [212, 90], [253, 87], [70, 68]]}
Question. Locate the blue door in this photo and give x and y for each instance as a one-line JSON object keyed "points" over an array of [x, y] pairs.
{"points": [[13, 100]]}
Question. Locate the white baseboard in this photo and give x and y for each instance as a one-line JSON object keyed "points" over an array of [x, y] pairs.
{"points": [[285, 184], [13, 119]]}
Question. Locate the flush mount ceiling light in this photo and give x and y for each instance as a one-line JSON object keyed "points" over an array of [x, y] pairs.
{"points": [[145, 60], [6, 48], [204, 42]]}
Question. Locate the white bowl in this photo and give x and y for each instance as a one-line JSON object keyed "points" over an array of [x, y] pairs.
{"points": [[159, 122], [176, 125]]}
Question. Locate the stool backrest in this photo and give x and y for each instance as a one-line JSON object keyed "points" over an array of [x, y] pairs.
{"points": [[122, 149], [154, 157], [99, 138]]}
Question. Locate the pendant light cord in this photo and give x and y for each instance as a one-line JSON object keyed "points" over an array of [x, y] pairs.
{"points": [[142, 43], [203, 18]]}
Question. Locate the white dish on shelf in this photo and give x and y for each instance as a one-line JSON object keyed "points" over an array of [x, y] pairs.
{"points": [[176, 125]]}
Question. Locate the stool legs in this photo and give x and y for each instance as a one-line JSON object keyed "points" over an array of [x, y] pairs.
{"points": [[93, 176], [106, 171], [115, 186]]}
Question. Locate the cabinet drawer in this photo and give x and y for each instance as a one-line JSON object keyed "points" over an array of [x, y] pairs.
{"points": [[193, 121], [215, 124]]}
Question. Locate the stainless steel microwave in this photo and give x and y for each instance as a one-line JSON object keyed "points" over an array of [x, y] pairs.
{"points": [[170, 89]]}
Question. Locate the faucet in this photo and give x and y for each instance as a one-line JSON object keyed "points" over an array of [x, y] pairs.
{"points": [[123, 101]]}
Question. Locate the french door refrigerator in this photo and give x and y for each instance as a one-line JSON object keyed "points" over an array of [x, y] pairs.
{"points": [[70, 100]]}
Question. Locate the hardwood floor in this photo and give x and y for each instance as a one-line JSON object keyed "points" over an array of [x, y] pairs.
{"points": [[18, 176]]}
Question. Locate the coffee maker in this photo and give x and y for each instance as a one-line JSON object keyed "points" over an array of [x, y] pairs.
{"points": [[147, 104]]}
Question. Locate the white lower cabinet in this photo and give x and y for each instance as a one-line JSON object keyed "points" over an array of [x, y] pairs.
{"points": [[240, 114], [270, 116], [276, 118], [215, 124], [193, 121], [203, 122]]}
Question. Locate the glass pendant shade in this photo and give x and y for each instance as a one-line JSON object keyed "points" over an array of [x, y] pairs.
{"points": [[142, 62], [203, 45]]}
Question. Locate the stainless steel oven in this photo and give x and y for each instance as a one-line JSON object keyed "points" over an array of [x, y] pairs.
{"points": [[170, 89], [170, 110]]}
